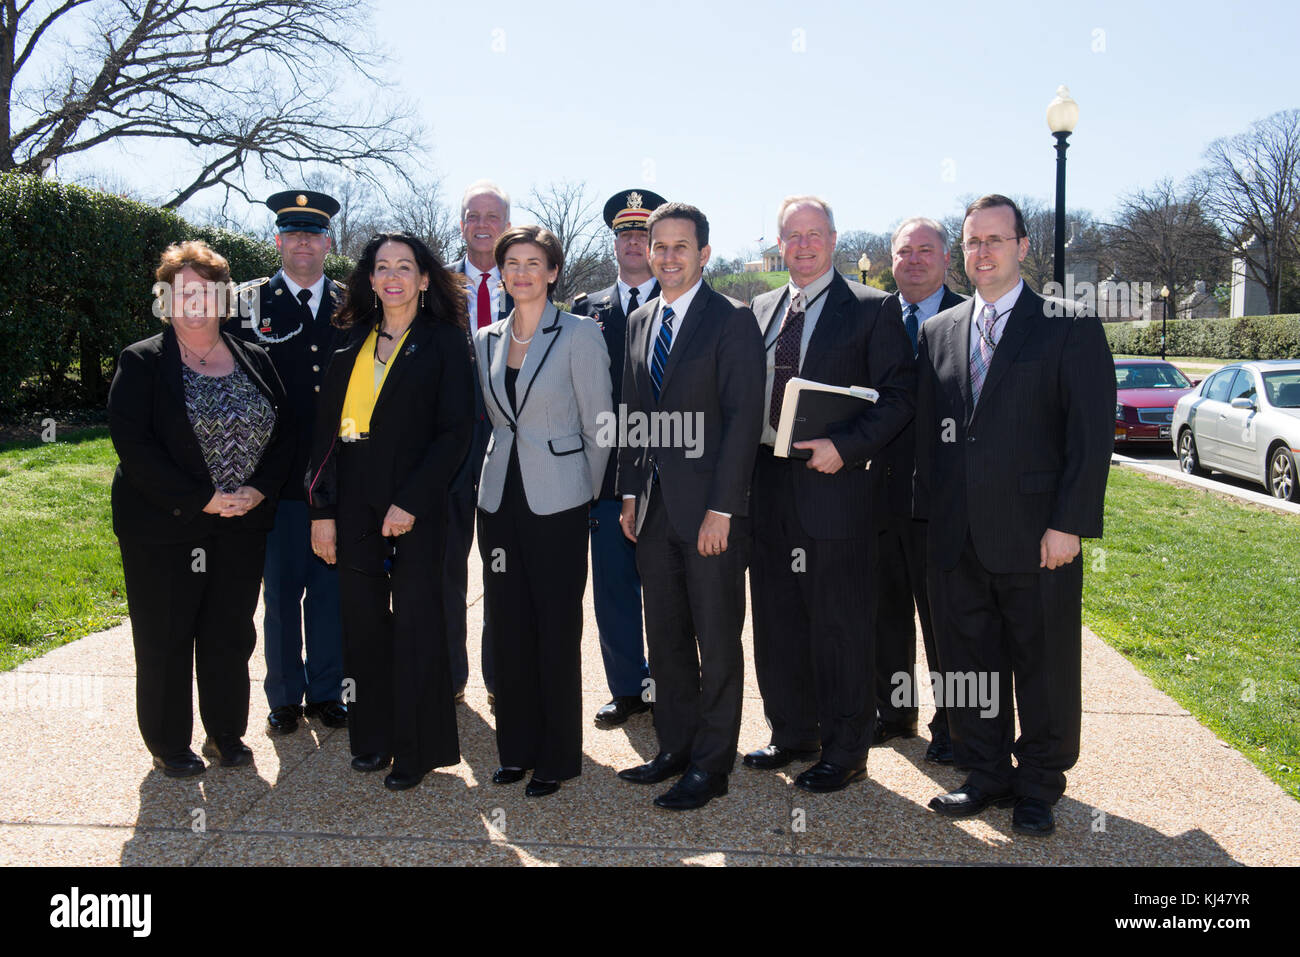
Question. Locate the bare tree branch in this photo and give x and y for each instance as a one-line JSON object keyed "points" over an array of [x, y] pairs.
{"points": [[1252, 187], [231, 82], [566, 210]]}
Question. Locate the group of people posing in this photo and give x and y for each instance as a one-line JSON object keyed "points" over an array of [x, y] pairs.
{"points": [[343, 443]]}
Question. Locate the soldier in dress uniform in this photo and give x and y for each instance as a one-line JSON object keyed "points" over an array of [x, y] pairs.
{"points": [[616, 586], [290, 318]]}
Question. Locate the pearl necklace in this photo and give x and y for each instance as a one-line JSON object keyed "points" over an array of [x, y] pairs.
{"points": [[522, 342]]}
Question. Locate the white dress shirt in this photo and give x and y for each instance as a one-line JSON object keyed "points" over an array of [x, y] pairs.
{"points": [[642, 291], [1001, 308], [472, 273], [317, 290]]}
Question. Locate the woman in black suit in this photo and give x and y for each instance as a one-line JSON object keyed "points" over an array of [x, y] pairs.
{"points": [[393, 426], [196, 417]]}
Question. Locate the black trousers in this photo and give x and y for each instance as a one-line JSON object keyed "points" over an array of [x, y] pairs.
{"points": [[901, 588], [996, 629], [813, 616], [694, 613], [394, 643], [534, 575], [191, 608], [455, 583]]}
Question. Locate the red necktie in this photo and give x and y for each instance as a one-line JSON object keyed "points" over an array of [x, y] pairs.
{"points": [[484, 302]]}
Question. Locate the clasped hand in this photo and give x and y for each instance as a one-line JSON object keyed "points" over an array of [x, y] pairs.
{"points": [[233, 504]]}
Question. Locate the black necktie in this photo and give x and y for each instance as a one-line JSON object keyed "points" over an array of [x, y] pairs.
{"points": [[304, 297], [911, 324], [788, 346], [631, 300]]}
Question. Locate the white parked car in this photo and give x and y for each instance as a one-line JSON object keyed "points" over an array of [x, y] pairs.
{"points": [[1244, 420]]}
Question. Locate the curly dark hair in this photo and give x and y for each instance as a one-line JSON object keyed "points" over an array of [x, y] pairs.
{"points": [[444, 301]]}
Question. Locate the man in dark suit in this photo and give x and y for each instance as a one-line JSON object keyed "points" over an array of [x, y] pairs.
{"points": [[816, 521], [291, 321], [484, 215], [693, 388], [921, 258], [615, 584], [1013, 443]]}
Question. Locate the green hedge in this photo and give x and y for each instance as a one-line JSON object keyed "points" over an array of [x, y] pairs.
{"points": [[1249, 337], [76, 279]]}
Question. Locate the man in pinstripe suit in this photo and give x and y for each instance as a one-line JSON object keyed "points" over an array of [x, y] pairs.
{"points": [[1013, 443]]}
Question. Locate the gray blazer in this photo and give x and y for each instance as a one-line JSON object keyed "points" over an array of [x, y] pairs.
{"points": [[565, 397]]}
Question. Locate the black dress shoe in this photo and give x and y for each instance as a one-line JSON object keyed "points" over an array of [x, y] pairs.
{"points": [[401, 781], [663, 767], [459, 696], [620, 709], [366, 763], [284, 719], [537, 789], [969, 800], [332, 714], [695, 789], [824, 777], [885, 730], [228, 750], [774, 756], [184, 765], [1033, 816], [508, 776], [940, 752]]}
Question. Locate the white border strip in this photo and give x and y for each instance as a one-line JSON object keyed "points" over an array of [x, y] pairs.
{"points": [[1209, 485]]}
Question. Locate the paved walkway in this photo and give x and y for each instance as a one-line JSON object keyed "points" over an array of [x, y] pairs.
{"points": [[76, 787]]}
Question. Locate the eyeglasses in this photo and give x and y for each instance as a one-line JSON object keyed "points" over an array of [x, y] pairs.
{"points": [[993, 243]]}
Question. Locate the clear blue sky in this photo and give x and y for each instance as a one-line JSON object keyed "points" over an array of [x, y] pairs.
{"points": [[714, 101]]}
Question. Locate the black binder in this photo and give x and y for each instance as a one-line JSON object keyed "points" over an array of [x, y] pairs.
{"points": [[812, 410]]}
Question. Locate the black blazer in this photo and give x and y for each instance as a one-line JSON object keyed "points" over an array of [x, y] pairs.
{"points": [[468, 473], [162, 482], [854, 343], [898, 460], [419, 430], [714, 376], [606, 307], [1034, 454]]}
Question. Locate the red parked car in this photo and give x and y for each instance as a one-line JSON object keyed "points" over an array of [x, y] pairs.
{"points": [[1146, 391]]}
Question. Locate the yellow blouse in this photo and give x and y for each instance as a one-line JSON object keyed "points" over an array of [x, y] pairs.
{"points": [[364, 387]]}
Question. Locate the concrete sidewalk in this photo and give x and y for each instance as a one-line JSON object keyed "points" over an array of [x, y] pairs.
{"points": [[77, 788]]}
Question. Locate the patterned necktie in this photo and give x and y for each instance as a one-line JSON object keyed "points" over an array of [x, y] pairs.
{"points": [[631, 300], [788, 343], [979, 365], [913, 327], [304, 298], [484, 302], [663, 343]]}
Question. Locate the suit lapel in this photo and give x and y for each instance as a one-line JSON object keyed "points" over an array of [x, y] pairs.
{"points": [[833, 315], [549, 328], [171, 364], [768, 316], [1019, 325], [497, 350], [641, 367], [418, 338], [959, 337], [684, 333]]}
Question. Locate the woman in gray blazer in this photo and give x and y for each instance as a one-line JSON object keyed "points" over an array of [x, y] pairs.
{"points": [[546, 386]]}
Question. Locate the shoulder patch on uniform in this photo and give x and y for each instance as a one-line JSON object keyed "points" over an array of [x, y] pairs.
{"points": [[580, 297]]}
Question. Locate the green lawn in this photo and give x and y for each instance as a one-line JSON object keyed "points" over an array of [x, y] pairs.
{"points": [[60, 571], [1199, 592]]}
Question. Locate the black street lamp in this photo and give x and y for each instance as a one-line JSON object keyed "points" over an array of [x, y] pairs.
{"points": [[864, 267], [1062, 115], [1166, 297]]}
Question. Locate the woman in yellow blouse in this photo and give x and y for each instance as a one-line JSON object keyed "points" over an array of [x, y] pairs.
{"points": [[393, 425]]}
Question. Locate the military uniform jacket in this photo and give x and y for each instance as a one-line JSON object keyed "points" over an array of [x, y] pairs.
{"points": [[606, 307], [305, 344]]}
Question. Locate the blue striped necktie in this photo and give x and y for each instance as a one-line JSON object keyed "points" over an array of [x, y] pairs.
{"points": [[911, 324], [663, 343]]}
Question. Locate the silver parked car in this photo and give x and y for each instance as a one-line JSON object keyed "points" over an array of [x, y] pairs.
{"points": [[1244, 420]]}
